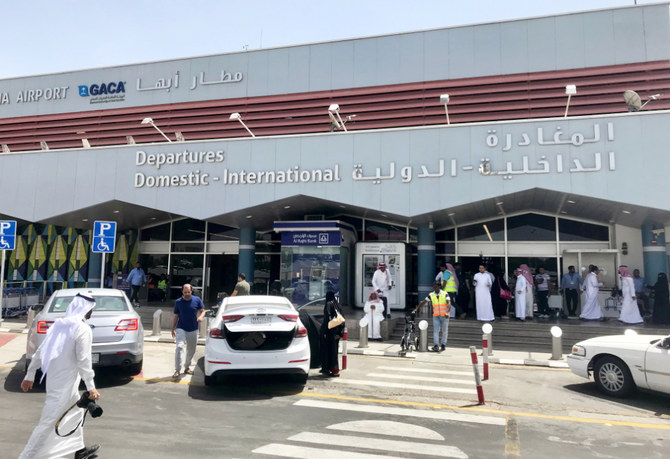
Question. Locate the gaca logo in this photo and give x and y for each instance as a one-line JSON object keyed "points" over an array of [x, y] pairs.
{"points": [[102, 89]]}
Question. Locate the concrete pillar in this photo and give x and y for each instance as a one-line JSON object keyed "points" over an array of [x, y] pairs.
{"points": [[425, 260], [247, 252], [654, 252]]}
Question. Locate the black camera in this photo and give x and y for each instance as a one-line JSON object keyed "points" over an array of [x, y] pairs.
{"points": [[90, 405]]}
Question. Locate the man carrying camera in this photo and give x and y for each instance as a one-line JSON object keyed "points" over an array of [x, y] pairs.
{"points": [[65, 355]]}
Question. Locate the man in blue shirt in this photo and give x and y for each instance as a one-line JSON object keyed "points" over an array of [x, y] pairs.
{"points": [[136, 279], [188, 313], [571, 284], [639, 292]]}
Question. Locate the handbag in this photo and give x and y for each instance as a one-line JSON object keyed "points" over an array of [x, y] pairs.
{"points": [[339, 320], [504, 294]]}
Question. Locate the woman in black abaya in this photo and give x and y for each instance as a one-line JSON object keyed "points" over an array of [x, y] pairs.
{"points": [[661, 301]]}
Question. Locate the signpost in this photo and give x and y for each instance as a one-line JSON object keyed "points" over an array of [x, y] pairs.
{"points": [[7, 242], [104, 240]]}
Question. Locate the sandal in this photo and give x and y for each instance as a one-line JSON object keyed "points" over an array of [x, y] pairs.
{"points": [[175, 375], [188, 372]]}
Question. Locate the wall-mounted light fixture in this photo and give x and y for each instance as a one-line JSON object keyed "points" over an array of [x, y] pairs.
{"points": [[151, 122], [444, 100], [624, 248], [570, 90], [238, 117]]}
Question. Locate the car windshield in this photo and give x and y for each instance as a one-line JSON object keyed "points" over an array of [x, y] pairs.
{"points": [[102, 303]]}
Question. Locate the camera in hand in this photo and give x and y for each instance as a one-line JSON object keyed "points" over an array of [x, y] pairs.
{"points": [[86, 403]]}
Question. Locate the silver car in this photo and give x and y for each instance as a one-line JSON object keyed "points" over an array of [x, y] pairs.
{"points": [[118, 335]]}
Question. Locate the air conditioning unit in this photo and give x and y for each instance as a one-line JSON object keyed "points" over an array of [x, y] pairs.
{"points": [[315, 217]]}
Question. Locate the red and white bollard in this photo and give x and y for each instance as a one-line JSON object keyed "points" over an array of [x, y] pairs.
{"points": [[478, 381], [344, 349], [485, 357]]}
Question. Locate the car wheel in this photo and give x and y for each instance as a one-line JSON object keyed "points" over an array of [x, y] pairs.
{"points": [[134, 369], [210, 380], [612, 376]]}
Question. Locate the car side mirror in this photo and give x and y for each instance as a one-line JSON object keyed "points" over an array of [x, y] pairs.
{"points": [[37, 307], [665, 343]]}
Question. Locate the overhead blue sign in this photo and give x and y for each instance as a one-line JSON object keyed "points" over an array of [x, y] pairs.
{"points": [[7, 234], [312, 238], [104, 237]]}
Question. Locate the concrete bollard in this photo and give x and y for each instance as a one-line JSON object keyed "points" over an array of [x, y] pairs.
{"points": [[487, 329], [156, 325], [556, 343], [475, 369], [363, 333], [344, 349], [423, 336]]}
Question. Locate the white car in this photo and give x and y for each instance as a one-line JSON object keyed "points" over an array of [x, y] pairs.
{"points": [[621, 363], [256, 334]]}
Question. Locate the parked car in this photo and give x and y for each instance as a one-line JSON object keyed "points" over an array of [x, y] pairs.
{"points": [[256, 334], [118, 336], [621, 363]]}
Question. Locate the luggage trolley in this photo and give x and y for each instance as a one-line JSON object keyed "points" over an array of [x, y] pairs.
{"points": [[11, 303]]}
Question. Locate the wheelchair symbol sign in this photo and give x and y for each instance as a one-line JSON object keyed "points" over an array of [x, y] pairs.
{"points": [[104, 237], [7, 235]]}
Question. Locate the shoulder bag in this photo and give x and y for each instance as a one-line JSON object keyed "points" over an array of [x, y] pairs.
{"points": [[505, 294]]}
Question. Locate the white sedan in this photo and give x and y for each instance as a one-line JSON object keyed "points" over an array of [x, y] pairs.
{"points": [[256, 334], [621, 363]]}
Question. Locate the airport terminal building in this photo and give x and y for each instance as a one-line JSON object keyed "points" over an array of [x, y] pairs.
{"points": [[506, 143]]}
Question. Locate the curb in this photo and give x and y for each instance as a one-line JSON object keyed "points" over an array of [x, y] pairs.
{"points": [[530, 362]]}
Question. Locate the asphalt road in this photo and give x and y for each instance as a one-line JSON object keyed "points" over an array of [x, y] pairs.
{"points": [[379, 407]]}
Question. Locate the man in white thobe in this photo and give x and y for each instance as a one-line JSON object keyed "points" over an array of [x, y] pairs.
{"points": [[65, 356], [591, 309], [520, 295], [374, 311], [382, 283], [482, 281]]}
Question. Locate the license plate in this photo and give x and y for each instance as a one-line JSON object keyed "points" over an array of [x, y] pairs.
{"points": [[95, 358], [260, 320]]}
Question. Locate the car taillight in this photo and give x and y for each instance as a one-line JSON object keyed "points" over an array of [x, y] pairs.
{"points": [[302, 332], [232, 318], [288, 317], [216, 333], [43, 326], [126, 325]]}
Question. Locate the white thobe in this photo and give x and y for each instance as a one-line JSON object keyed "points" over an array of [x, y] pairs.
{"points": [[375, 317], [630, 313], [483, 296], [381, 281], [529, 299], [65, 373], [591, 308], [520, 298]]}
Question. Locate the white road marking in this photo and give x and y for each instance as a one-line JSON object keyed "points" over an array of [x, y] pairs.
{"points": [[360, 382], [391, 428], [432, 372], [411, 412], [435, 450], [470, 382], [303, 452]]}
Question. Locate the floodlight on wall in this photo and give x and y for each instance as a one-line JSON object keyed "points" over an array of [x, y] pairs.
{"points": [[570, 90], [44, 146], [634, 101], [130, 140], [236, 116], [151, 122], [335, 118], [444, 100], [85, 143], [179, 136], [5, 148]]}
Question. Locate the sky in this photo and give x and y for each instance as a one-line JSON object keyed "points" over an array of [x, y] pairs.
{"points": [[49, 36]]}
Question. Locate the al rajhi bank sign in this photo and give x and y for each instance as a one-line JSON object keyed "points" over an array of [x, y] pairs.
{"points": [[542, 148]]}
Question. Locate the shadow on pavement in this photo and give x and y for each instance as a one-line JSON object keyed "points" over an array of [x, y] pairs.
{"points": [[642, 399]]}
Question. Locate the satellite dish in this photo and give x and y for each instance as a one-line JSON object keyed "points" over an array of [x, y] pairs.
{"points": [[633, 100]]}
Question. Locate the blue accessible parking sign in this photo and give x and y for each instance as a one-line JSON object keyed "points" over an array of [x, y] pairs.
{"points": [[104, 237], [7, 235]]}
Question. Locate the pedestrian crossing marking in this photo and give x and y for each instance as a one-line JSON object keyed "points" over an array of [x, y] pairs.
{"points": [[406, 412], [453, 390], [391, 428], [303, 452], [429, 449], [433, 372], [424, 378]]}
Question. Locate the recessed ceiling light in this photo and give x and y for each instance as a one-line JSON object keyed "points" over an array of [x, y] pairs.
{"points": [[117, 211], [451, 214], [570, 201], [249, 216], [153, 218], [500, 203], [383, 215], [344, 207], [84, 219], [287, 207], [563, 212], [625, 211]]}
